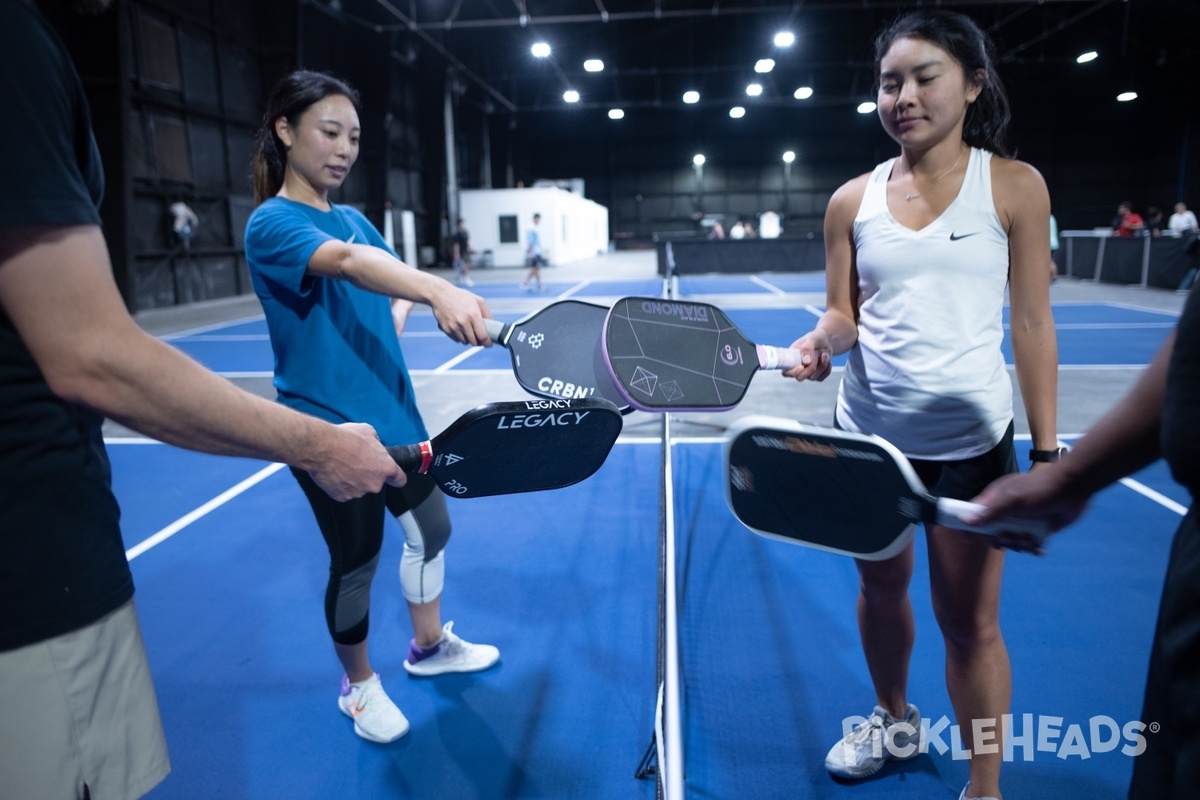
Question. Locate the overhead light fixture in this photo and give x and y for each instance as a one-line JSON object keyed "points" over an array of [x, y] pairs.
{"points": [[1125, 97], [754, 89], [866, 108], [698, 159], [1084, 58], [571, 96], [691, 97], [540, 49], [616, 113], [803, 93], [764, 65], [737, 112], [789, 157], [593, 65], [785, 39]]}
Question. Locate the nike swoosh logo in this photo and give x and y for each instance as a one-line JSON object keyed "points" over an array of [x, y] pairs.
{"points": [[955, 238]]}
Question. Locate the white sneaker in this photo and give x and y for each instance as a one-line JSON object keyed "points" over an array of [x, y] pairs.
{"points": [[451, 654], [468, 282], [963, 796], [863, 751], [375, 716]]}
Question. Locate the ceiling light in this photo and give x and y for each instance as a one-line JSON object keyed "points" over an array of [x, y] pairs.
{"points": [[866, 108], [1125, 97], [571, 96], [691, 97], [737, 112], [1084, 58], [803, 93], [764, 65], [698, 159], [785, 39], [754, 89], [616, 113], [540, 49], [593, 65], [789, 157]]}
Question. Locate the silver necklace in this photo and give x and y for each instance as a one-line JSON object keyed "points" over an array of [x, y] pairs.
{"points": [[909, 196]]}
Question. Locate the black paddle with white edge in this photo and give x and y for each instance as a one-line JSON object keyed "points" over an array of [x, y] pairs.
{"points": [[676, 355], [556, 351], [834, 490], [523, 446]]}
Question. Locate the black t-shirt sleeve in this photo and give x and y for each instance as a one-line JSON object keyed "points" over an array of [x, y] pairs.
{"points": [[55, 175], [1181, 405]]}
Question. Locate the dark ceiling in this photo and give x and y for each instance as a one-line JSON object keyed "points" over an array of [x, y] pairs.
{"points": [[654, 50]]}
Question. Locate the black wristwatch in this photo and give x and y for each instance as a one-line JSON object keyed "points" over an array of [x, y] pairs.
{"points": [[1046, 456]]}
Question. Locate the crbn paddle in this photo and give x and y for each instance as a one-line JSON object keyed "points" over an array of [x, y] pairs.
{"points": [[672, 355], [556, 351], [523, 446], [833, 490]]}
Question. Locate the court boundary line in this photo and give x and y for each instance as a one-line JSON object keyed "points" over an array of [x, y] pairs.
{"points": [[187, 519]]}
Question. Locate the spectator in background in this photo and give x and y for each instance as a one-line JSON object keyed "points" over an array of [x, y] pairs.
{"points": [[750, 232], [534, 258], [1154, 221], [738, 231], [718, 230], [768, 225], [460, 251], [1127, 222], [1053, 248], [1182, 221]]}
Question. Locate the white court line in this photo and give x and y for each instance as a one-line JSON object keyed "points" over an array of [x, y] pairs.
{"points": [[216, 326], [187, 519], [770, 287], [816, 312], [1092, 326], [1133, 307], [576, 289], [1161, 499], [454, 362], [228, 337]]}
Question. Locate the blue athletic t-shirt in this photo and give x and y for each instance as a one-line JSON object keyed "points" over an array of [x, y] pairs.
{"points": [[337, 355]]}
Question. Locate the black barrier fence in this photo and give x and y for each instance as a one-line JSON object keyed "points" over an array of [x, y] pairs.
{"points": [[703, 256], [1159, 262]]}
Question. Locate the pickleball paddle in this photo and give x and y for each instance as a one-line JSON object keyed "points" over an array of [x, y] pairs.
{"points": [[844, 492], [556, 351], [523, 446], [675, 355]]}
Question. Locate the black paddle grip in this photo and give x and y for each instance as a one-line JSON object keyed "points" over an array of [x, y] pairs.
{"points": [[408, 456]]}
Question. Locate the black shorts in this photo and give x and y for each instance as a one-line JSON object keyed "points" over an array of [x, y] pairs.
{"points": [[965, 478]]}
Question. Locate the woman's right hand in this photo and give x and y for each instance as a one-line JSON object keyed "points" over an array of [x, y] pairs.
{"points": [[816, 357]]}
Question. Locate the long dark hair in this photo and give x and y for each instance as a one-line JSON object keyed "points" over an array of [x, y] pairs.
{"points": [[291, 98], [986, 124]]}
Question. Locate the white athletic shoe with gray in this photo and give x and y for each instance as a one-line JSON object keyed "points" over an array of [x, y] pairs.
{"points": [[375, 716], [963, 796], [450, 654], [864, 750]]}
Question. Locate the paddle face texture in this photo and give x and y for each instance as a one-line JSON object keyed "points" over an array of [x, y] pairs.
{"points": [[524, 446], [556, 352], [671, 355], [839, 492]]}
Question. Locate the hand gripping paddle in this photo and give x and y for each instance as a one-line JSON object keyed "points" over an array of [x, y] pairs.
{"points": [[556, 351], [672, 355], [525, 446], [838, 491]]}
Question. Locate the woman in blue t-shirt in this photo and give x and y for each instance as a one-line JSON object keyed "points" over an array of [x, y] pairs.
{"points": [[335, 296]]}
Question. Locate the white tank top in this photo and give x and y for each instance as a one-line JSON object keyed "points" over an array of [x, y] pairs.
{"points": [[927, 372]]}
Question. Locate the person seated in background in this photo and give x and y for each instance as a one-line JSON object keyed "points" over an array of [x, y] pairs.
{"points": [[1182, 221], [769, 226], [718, 230], [750, 232], [1127, 222], [1154, 221], [738, 231]]}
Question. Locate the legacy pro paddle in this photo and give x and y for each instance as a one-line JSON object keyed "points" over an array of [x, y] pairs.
{"points": [[675, 355], [524, 446], [838, 491], [556, 351]]}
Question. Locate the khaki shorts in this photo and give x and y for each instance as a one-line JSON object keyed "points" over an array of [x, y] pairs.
{"points": [[79, 710]]}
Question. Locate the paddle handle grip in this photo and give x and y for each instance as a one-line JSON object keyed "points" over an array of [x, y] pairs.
{"points": [[950, 512], [495, 329], [783, 358], [412, 457]]}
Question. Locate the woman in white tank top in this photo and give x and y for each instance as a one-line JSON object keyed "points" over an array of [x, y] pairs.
{"points": [[918, 255]]}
